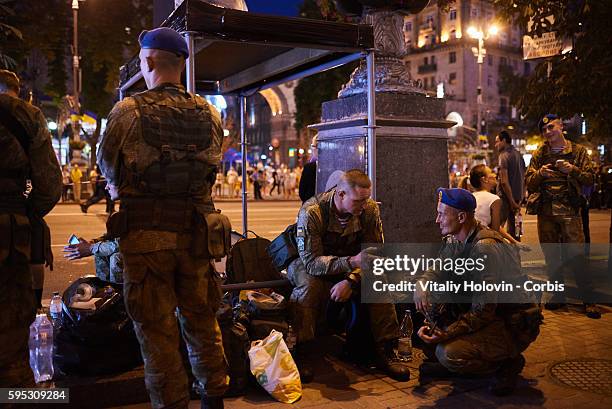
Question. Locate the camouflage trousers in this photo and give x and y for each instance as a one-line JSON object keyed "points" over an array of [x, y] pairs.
{"points": [[158, 287], [16, 301], [562, 241], [478, 353], [309, 301]]}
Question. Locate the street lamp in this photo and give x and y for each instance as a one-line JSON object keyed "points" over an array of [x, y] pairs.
{"points": [[75, 64], [479, 53]]}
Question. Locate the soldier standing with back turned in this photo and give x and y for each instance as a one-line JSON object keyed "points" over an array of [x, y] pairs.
{"points": [[30, 185], [161, 148]]}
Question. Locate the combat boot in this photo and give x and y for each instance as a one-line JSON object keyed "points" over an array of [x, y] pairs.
{"points": [[303, 356], [212, 402], [507, 375], [389, 362]]}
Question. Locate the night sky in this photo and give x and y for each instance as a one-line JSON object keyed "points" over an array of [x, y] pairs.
{"points": [[278, 7]]}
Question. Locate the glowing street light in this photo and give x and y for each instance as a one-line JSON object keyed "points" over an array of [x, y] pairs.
{"points": [[479, 53]]}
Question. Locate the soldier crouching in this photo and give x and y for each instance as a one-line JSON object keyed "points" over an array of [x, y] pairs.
{"points": [[331, 228], [476, 332]]}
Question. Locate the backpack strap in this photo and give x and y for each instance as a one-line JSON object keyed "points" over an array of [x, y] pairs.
{"points": [[480, 233]]}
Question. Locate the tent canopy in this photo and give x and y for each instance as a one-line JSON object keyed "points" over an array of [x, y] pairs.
{"points": [[240, 52]]}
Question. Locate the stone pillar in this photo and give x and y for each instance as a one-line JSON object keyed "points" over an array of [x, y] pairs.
{"points": [[411, 137], [412, 157]]}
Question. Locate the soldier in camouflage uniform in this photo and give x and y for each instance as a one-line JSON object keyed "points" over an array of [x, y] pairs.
{"points": [[107, 257], [331, 228], [475, 332], [160, 149], [556, 174], [27, 154]]}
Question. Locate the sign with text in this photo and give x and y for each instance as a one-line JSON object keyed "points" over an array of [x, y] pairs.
{"points": [[548, 45]]}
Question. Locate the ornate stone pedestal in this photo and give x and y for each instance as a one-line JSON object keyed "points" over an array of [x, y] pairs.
{"points": [[411, 157]]}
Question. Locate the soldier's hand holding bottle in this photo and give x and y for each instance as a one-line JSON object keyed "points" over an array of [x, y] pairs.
{"points": [[431, 335]]}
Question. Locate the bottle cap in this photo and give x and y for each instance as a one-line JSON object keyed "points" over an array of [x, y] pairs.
{"points": [[55, 293]]}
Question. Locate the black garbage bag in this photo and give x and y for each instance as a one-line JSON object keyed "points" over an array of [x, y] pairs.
{"points": [[97, 340], [236, 346]]}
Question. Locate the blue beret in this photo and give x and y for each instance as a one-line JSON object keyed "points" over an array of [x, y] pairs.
{"points": [[460, 199], [546, 119], [164, 38]]}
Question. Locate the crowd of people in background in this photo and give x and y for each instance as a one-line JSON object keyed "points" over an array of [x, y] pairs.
{"points": [[263, 181]]}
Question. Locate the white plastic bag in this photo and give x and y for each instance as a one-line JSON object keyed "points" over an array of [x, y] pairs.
{"points": [[274, 368]]}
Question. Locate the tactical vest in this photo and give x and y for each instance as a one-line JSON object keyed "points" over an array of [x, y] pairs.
{"points": [[179, 128], [558, 191]]}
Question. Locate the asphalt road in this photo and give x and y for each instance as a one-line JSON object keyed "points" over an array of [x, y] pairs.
{"points": [[267, 219]]}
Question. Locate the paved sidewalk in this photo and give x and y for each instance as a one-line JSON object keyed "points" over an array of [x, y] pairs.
{"points": [[570, 346]]}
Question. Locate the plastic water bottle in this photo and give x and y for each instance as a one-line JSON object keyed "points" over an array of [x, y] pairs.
{"points": [[291, 339], [518, 226], [404, 348], [55, 310], [41, 348]]}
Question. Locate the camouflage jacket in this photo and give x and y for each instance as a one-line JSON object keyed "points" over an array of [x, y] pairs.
{"points": [[45, 172], [560, 194], [324, 245], [123, 147], [467, 312]]}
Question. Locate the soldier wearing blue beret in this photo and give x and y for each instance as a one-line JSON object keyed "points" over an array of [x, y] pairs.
{"points": [[558, 171], [472, 334], [160, 149], [164, 38]]}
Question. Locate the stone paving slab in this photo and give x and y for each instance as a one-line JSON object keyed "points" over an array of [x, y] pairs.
{"points": [[565, 335]]}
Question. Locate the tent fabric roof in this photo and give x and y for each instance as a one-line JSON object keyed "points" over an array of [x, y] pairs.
{"points": [[242, 52]]}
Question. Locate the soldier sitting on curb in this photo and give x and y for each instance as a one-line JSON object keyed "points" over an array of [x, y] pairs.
{"points": [[331, 228], [475, 333]]}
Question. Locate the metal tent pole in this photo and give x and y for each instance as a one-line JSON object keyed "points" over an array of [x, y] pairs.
{"points": [[371, 122], [190, 67], [243, 150]]}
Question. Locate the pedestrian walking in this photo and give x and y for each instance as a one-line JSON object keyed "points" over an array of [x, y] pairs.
{"points": [[510, 186], [66, 185], [75, 177], [308, 178], [100, 193]]}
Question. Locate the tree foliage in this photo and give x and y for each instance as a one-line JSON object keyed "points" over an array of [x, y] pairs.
{"points": [[107, 38], [577, 82], [312, 91], [7, 33]]}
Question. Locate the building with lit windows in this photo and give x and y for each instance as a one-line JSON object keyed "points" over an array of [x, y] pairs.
{"points": [[442, 58]]}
